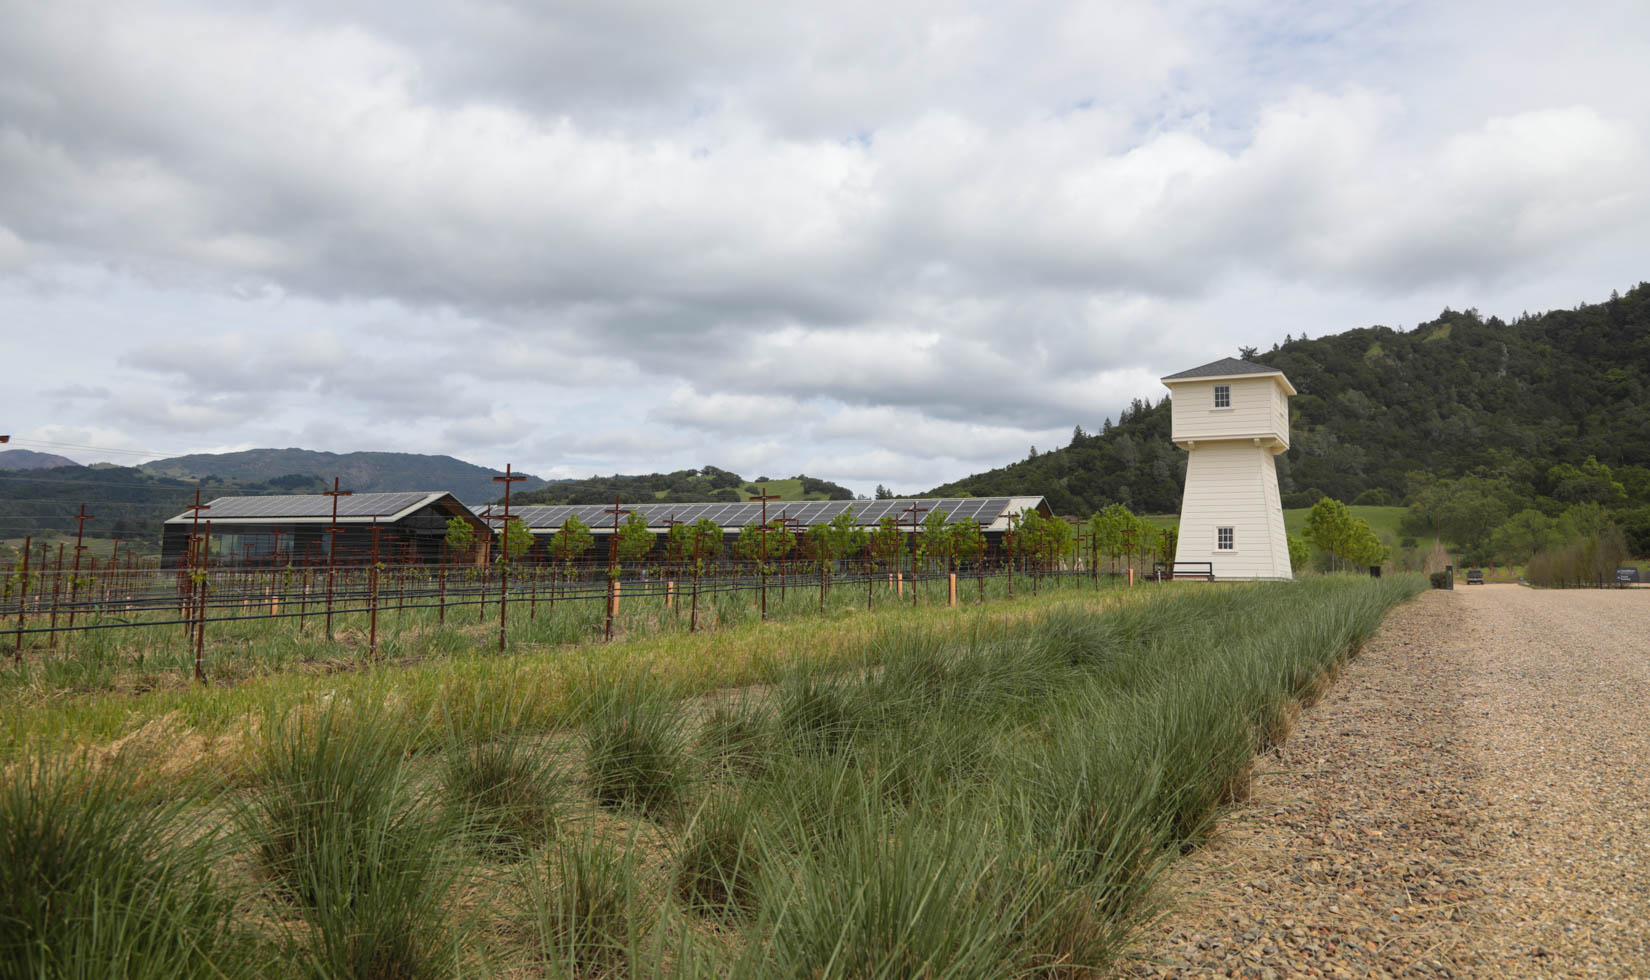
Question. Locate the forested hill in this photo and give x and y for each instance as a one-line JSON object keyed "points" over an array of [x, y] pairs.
{"points": [[364, 472], [708, 483], [1457, 395]]}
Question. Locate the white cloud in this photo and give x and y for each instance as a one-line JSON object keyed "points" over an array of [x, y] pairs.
{"points": [[620, 235]]}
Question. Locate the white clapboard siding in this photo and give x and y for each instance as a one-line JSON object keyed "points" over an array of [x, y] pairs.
{"points": [[1233, 484], [1253, 412]]}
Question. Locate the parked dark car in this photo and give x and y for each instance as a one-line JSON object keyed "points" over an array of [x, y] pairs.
{"points": [[1475, 576]]}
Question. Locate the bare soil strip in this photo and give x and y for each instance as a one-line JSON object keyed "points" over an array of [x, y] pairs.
{"points": [[1471, 798]]}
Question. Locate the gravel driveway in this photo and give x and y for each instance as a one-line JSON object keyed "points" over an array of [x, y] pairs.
{"points": [[1470, 800]]}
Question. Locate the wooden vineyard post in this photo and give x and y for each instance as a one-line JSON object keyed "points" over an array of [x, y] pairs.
{"points": [[953, 577]]}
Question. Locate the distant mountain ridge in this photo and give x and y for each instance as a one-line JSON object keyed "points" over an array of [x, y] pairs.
{"points": [[364, 472], [28, 459]]}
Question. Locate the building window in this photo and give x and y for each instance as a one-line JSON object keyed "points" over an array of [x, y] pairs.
{"points": [[1224, 540], [1223, 396]]}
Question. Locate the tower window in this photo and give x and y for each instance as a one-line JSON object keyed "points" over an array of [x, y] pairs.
{"points": [[1223, 396], [1224, 539]]}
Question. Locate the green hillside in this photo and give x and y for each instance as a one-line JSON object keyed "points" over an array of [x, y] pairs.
{"points": [[1382, 410]]}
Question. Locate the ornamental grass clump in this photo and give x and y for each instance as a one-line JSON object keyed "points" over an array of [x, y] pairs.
{"points": [[821, 715], [502, 785], [894, 898], [720, 858], [97, 881], [636, 747], [579, 907], [365, 857], [737, 737], [504, 788]]}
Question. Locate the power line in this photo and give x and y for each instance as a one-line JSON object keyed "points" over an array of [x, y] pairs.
{"points": [[100, 449]]}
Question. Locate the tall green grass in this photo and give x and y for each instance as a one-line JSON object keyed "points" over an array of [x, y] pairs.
{"points": [[348, 838], [98, 881], [982, 795]]}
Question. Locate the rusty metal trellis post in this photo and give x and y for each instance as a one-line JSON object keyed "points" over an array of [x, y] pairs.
{"points": [[504, 551], [671, 523], [481, 589], [22, 599], [200, 605], [372, 579], [914, 510], [762, 533], [613, 565], [190, 554], [332, 546]]}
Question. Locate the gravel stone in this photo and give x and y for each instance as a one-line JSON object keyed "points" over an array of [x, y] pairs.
{"points": [[1470, 799]]}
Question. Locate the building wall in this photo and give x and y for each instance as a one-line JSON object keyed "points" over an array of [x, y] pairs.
{"points": [[1233, 484], [1259, 407]]}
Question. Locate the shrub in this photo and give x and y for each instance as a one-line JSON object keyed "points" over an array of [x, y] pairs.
{"points": [[1439, 580], [94, 880]]}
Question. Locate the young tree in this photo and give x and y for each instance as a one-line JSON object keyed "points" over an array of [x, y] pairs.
{"points": [[635, 539], [570, 541], [887, 542], [831, 541], [461, 536], [1298, 554], [968, 543], [1107, 526], [934, 544], [700, 542], [514, 540], [1329, 528]]}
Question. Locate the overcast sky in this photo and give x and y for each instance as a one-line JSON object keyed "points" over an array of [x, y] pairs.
{"points": [[874, 242]]}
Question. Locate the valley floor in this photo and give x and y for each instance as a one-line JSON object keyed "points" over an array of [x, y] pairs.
{"points": [[1470, 799]]}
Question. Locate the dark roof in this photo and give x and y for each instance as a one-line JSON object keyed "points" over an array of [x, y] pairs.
{"points": [[1224, 367], [356, 508], [982, 510]]}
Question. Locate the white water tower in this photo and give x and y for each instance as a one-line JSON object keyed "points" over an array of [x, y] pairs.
{"points": [[1231, 417]]}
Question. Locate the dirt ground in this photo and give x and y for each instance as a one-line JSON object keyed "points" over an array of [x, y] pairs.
{"points": [[1470, 799]]}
